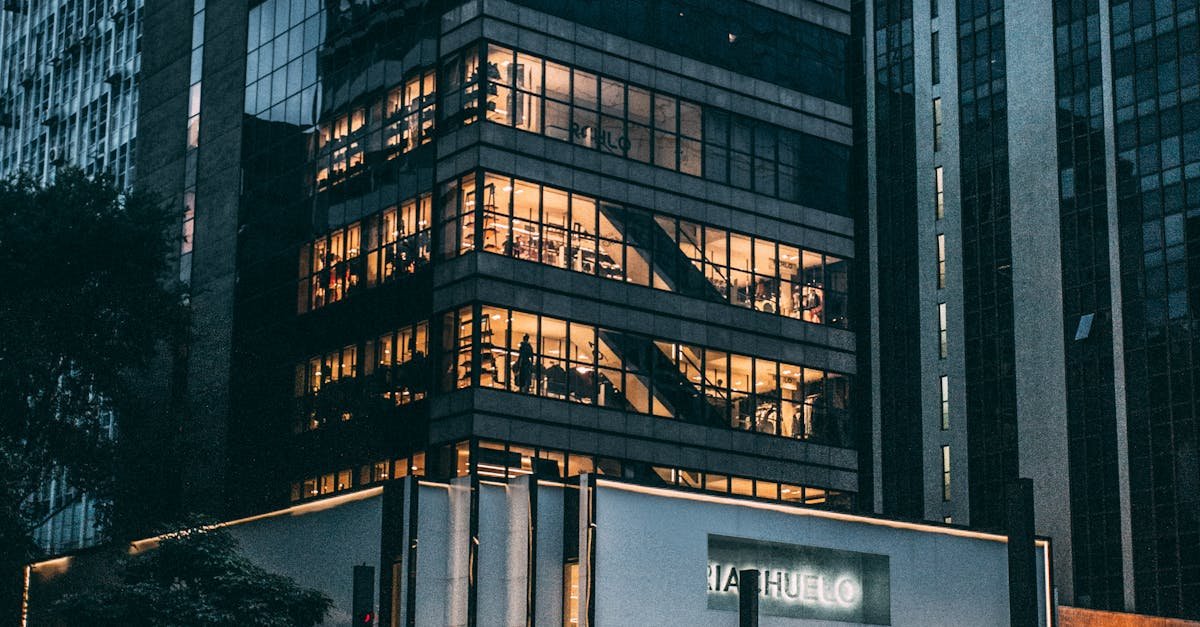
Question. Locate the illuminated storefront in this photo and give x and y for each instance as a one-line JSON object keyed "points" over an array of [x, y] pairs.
{"points": [[597, 551]]}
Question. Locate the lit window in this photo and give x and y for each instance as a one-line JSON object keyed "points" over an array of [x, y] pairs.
{"points": [[943, 343], [941, 261], [939, 201], [945, 392], [945, 472]]}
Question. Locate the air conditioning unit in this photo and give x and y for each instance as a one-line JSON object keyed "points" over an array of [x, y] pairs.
{"points": [[7, 119], [56, 157], [27, 76]]}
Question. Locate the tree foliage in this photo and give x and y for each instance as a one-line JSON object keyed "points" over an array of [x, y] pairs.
{"points": [[195, 577], [84, 300]]}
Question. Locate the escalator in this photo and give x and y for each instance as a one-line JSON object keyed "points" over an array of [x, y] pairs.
{"points": [[670, 386], [669, 264]]}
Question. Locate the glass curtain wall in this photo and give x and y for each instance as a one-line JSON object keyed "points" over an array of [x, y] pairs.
{"points": [[523, 352], [386, 371], [375, 250], [543, 224], [610, 115]]}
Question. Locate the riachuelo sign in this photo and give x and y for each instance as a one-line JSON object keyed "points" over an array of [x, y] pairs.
{"points": [[799, 581]]}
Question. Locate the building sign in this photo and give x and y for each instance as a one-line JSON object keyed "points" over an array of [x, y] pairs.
{"points": [[802, 581], [601, 139]]}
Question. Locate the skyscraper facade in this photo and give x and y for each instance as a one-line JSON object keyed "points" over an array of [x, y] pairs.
{"points": [[69, 97], [1055, 168]]}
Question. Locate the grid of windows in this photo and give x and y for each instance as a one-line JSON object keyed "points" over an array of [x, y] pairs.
{"points": [[610, 115], [746, 153], [67, 87], [1084, 225], [582, 363], [594, 111], [382, 372], [368, 474], [744, 37], [540, 223], [375, 250], [382, 129], [1156, 93], [900, 261], [988, 348], [281, 62]]}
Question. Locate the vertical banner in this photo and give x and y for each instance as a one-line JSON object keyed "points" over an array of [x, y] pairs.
{"points": [[798, 581]]}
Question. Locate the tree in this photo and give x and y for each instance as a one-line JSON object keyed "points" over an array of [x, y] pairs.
{"points": [[85, 300], [195, 577]]}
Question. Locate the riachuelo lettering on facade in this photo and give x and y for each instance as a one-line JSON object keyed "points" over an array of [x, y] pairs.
{"points": [[797, 586], [602, 138]]}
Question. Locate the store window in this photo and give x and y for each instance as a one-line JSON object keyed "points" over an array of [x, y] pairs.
{"points": [[551, 226], [543, 356], [379, 248]]}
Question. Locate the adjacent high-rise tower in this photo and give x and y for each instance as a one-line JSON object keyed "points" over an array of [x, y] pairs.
{"points": [[69, 97], [1036, 168]]}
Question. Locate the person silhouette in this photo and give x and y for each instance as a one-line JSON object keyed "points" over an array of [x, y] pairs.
{"points": [[524, 364]]}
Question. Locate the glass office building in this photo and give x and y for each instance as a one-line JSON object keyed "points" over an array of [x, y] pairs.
{"points": [[501, 238], [69, 97], [1046, 202]]}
